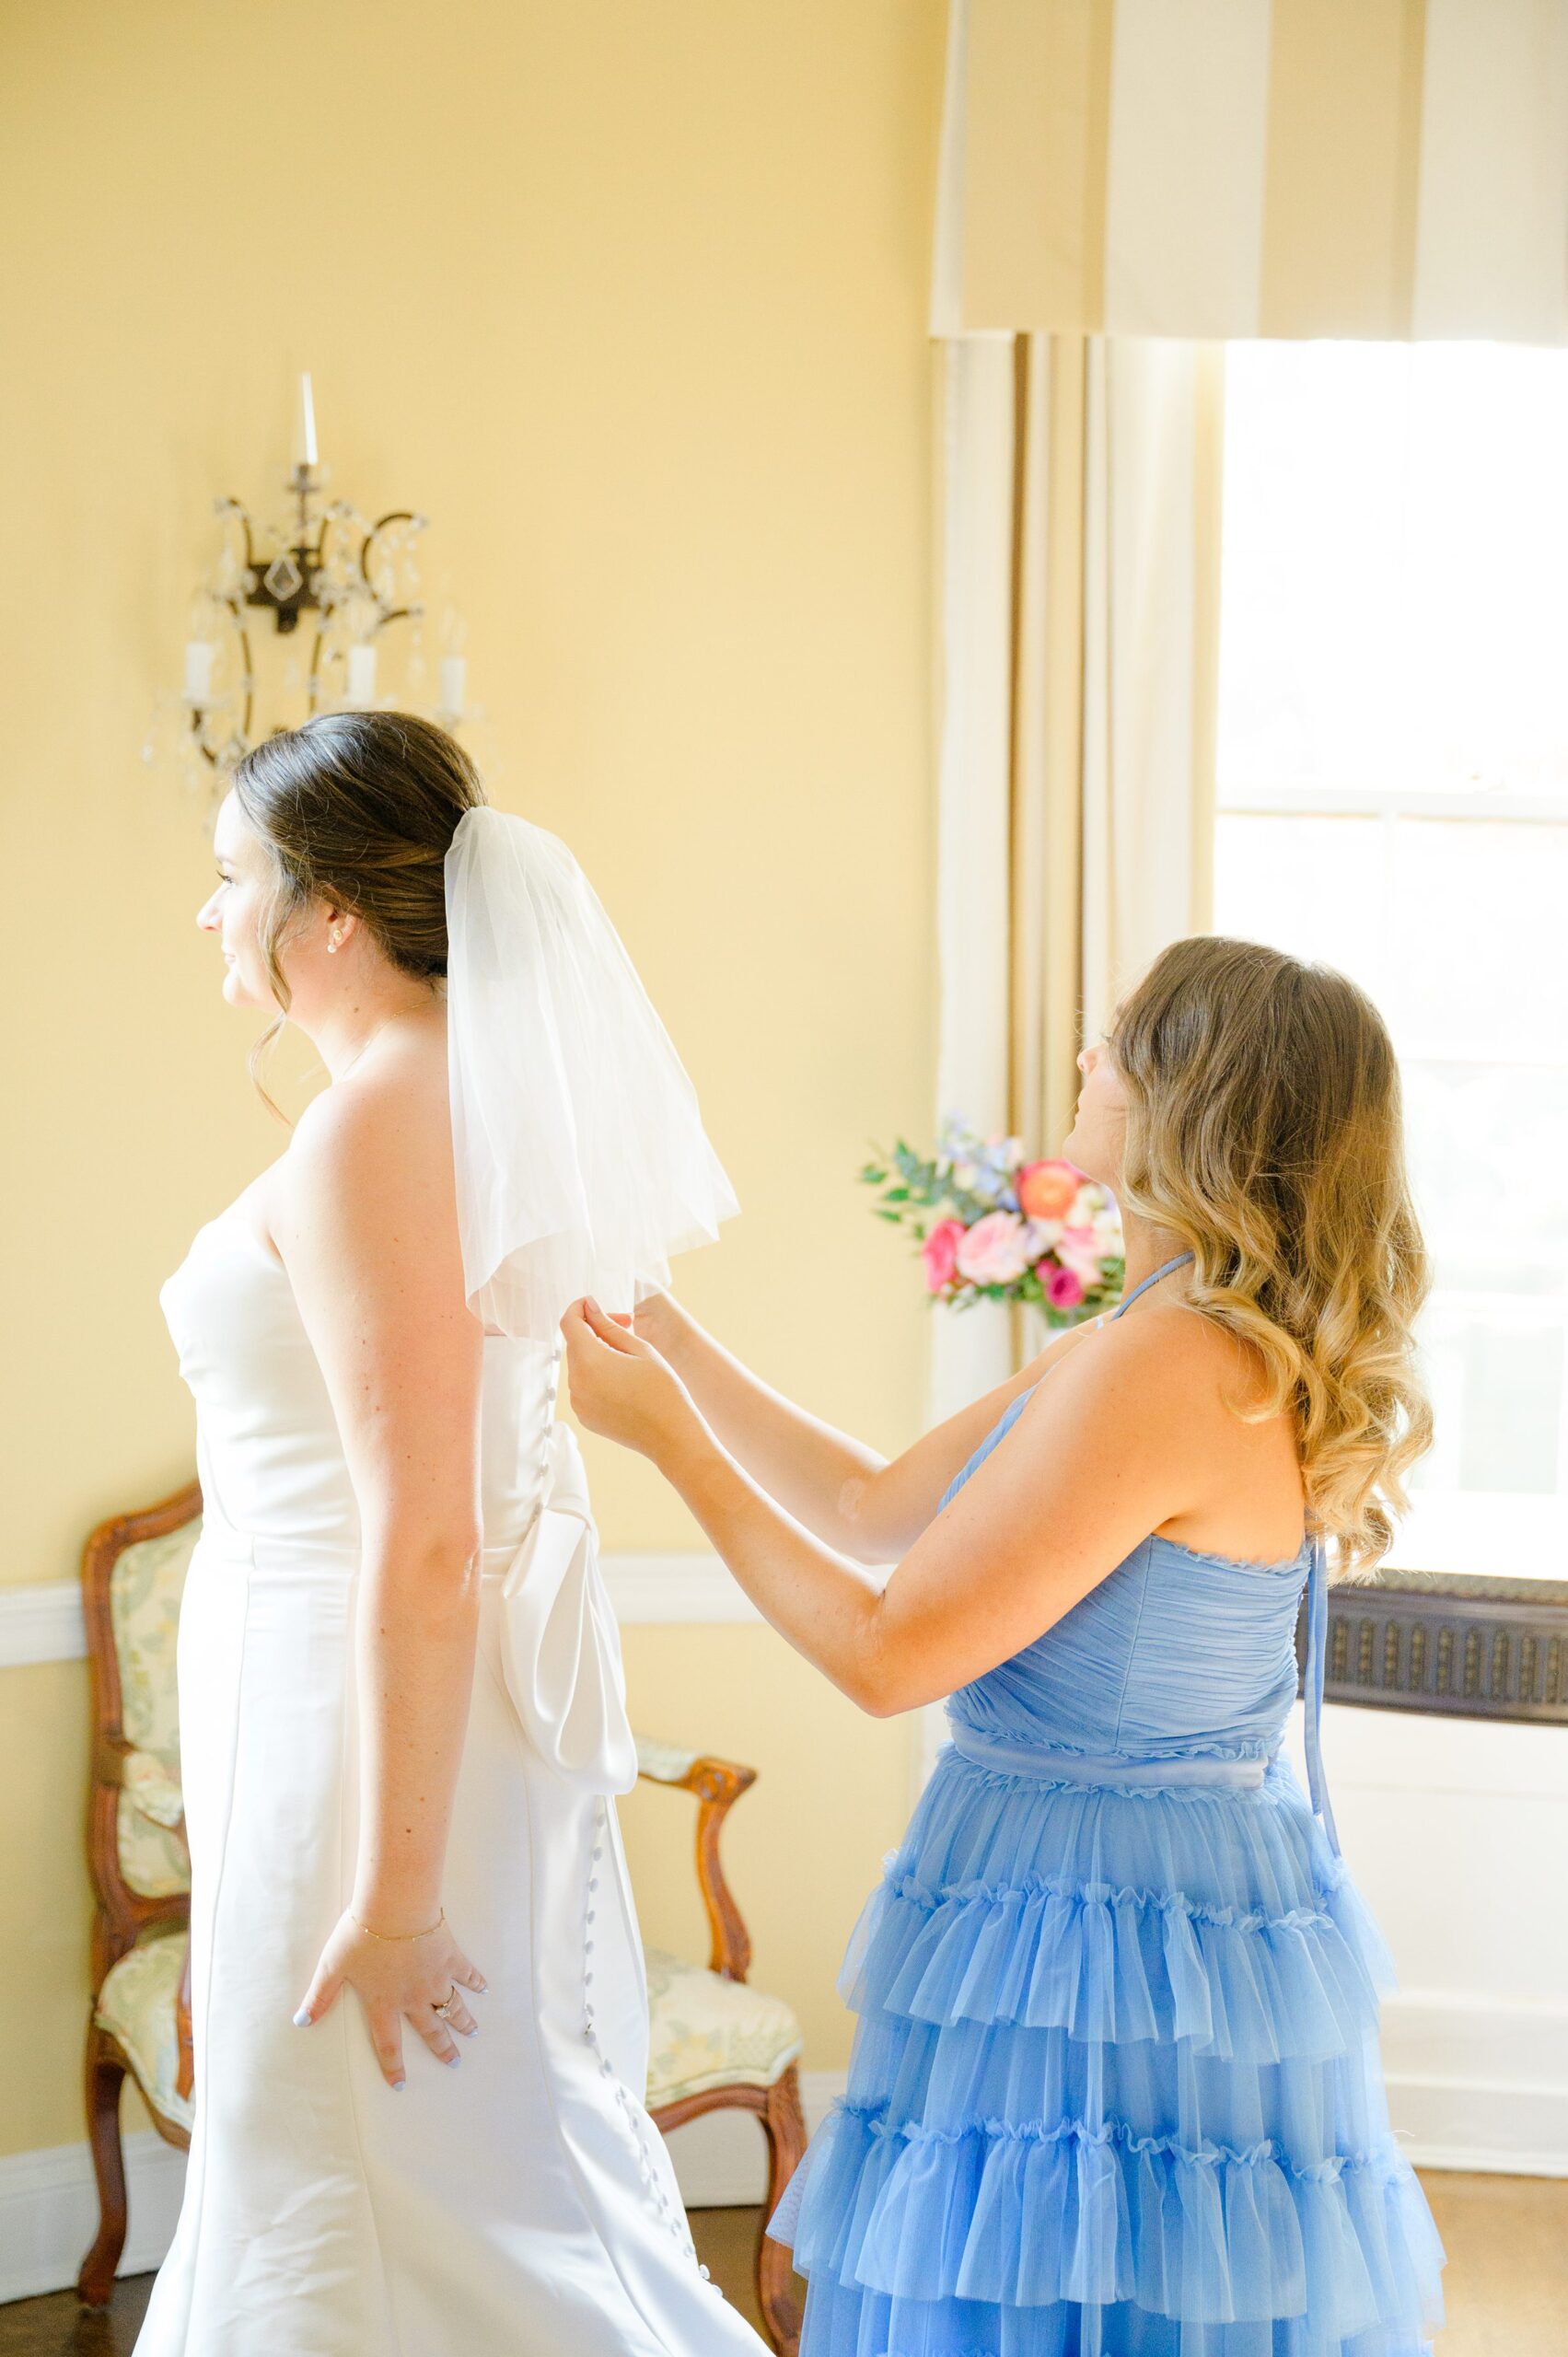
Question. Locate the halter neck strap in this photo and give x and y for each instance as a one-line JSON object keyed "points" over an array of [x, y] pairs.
{"points": [[1312, 1690], [1164, 1269]]}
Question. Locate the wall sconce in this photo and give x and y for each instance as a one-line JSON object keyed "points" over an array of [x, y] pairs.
{"points": [[325, 562]]}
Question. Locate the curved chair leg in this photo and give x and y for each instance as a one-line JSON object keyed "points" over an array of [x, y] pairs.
{"points": [[784, 2128], [105, 2075]]}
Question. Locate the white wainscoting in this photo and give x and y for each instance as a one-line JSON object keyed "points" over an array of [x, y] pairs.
{"points": [[49, 2202], [1456, 1831], [44, 1622]]}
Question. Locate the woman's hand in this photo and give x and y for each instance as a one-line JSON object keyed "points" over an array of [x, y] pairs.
{"points": [[394, 1979], [659, 1319], [619, 1384]]}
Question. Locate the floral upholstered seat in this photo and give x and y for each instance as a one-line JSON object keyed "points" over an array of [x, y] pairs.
{"points": [[714, 2041], [709, 2032], [137, 2006], [146, 1586]]}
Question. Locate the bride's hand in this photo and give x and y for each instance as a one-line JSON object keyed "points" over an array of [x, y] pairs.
{"points": [[394, 1979], [619, 1384]]}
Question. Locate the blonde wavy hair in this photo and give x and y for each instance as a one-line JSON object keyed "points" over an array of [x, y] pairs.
{"points": [[1265, 1131]]}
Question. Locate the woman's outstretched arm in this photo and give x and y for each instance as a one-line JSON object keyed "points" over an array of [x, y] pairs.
{"points": [[869, 1507], [1088, 1470]]}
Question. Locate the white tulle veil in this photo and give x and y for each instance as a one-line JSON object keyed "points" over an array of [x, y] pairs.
{"points": [[582, 1163]]}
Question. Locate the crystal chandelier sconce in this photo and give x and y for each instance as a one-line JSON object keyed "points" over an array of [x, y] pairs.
{"points": [[348, 580]]}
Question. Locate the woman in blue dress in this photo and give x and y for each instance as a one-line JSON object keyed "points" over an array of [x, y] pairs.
{"points": [[1115, 2089]]}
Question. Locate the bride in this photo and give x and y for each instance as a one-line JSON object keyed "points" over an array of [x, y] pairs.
{"points": [[402, 1716]]}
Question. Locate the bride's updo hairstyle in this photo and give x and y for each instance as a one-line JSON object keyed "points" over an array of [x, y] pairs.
{"points": [[1264, 1130], [356, 809]]}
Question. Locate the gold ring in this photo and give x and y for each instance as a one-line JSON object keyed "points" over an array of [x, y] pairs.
{"points": [[445, 2007]]}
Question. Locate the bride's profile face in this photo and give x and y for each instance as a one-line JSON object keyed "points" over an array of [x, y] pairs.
{"points": [[233, 907]]}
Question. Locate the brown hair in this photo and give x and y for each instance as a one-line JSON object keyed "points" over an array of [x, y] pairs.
{"points": [[356, 809], [1265, 1131]]}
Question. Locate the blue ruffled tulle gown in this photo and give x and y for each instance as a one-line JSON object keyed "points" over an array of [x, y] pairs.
{"points": [[1115, 2089]]}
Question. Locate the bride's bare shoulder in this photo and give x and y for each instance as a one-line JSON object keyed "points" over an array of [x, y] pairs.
{"points": [[382, 1130]]}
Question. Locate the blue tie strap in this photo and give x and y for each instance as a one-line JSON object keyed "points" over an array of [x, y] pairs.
{"points": [[1312, 1688]]}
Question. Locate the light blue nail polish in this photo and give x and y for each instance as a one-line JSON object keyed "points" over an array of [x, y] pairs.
{"points": [[396, 2086], [453, 2061], [302, 2019]]}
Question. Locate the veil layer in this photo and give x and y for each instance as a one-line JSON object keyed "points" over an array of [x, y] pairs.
{"points": [[582, 1163]]}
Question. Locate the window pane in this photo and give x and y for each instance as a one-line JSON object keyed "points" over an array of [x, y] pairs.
{"points": [[1496, 1389], [1487, 1145], [1395, 567], [1394, 603], [1477, 915], [1311, 885]]}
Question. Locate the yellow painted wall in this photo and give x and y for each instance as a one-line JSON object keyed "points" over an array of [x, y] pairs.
{"points": [[629, 296]]}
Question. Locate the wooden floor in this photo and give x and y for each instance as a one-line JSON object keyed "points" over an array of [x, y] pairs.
{"points": [[1507, 2279]]}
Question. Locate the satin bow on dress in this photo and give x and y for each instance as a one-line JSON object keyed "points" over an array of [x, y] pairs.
{"points": [[560, 1645]]}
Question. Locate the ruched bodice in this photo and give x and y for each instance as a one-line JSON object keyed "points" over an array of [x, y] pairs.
{"points": [[1175, 1653], [269, 1456]]}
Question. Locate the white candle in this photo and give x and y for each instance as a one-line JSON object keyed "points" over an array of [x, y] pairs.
{"points": [[362, 674], [454, 684], [305, 427], [198, 655]]}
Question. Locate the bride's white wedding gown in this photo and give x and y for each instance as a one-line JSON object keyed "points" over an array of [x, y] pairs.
{"points": [[522, 2202]]}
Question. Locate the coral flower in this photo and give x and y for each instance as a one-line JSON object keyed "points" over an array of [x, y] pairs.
{"points": [[1047, 1190]]}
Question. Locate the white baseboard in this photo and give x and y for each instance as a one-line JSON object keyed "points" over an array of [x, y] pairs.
{"points": [[48, 2201], [49, 2212], [720, 2160], [1445, 2119], [1478, 2085]]}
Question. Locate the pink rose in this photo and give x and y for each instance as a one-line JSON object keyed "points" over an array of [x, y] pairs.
{"points": [[1063, 1288], [940, 1252], [1080, 1249], [995, 1250], [1045, 1189]]}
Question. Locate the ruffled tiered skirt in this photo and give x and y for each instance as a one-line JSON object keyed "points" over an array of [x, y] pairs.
{"points": [[1115, 2091]]}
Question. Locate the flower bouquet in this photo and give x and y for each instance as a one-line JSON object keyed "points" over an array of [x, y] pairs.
{"points": [[994, 1226]]}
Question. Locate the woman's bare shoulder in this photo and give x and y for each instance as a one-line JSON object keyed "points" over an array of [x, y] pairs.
{"points": [[383, 1132], [1167, 1348]]}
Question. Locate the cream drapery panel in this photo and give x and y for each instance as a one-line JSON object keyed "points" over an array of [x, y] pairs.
{"points": [[1214, 169], [1080, 568], [1116, 457]]}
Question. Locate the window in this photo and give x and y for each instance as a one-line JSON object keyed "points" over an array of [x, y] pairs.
{"points": [[1393, 798]]}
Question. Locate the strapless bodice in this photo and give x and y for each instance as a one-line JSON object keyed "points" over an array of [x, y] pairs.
{"points": [[1175, 1653], [269, 1456]]}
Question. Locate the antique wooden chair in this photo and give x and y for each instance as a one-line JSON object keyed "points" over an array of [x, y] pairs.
{"points": [[714, 2041]]}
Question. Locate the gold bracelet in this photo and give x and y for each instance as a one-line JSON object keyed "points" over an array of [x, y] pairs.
{"points": [[400, 1936]]}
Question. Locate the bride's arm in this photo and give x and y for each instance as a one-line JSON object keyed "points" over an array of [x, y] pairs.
{"points": [[366, 1226], [868, 1507]]}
